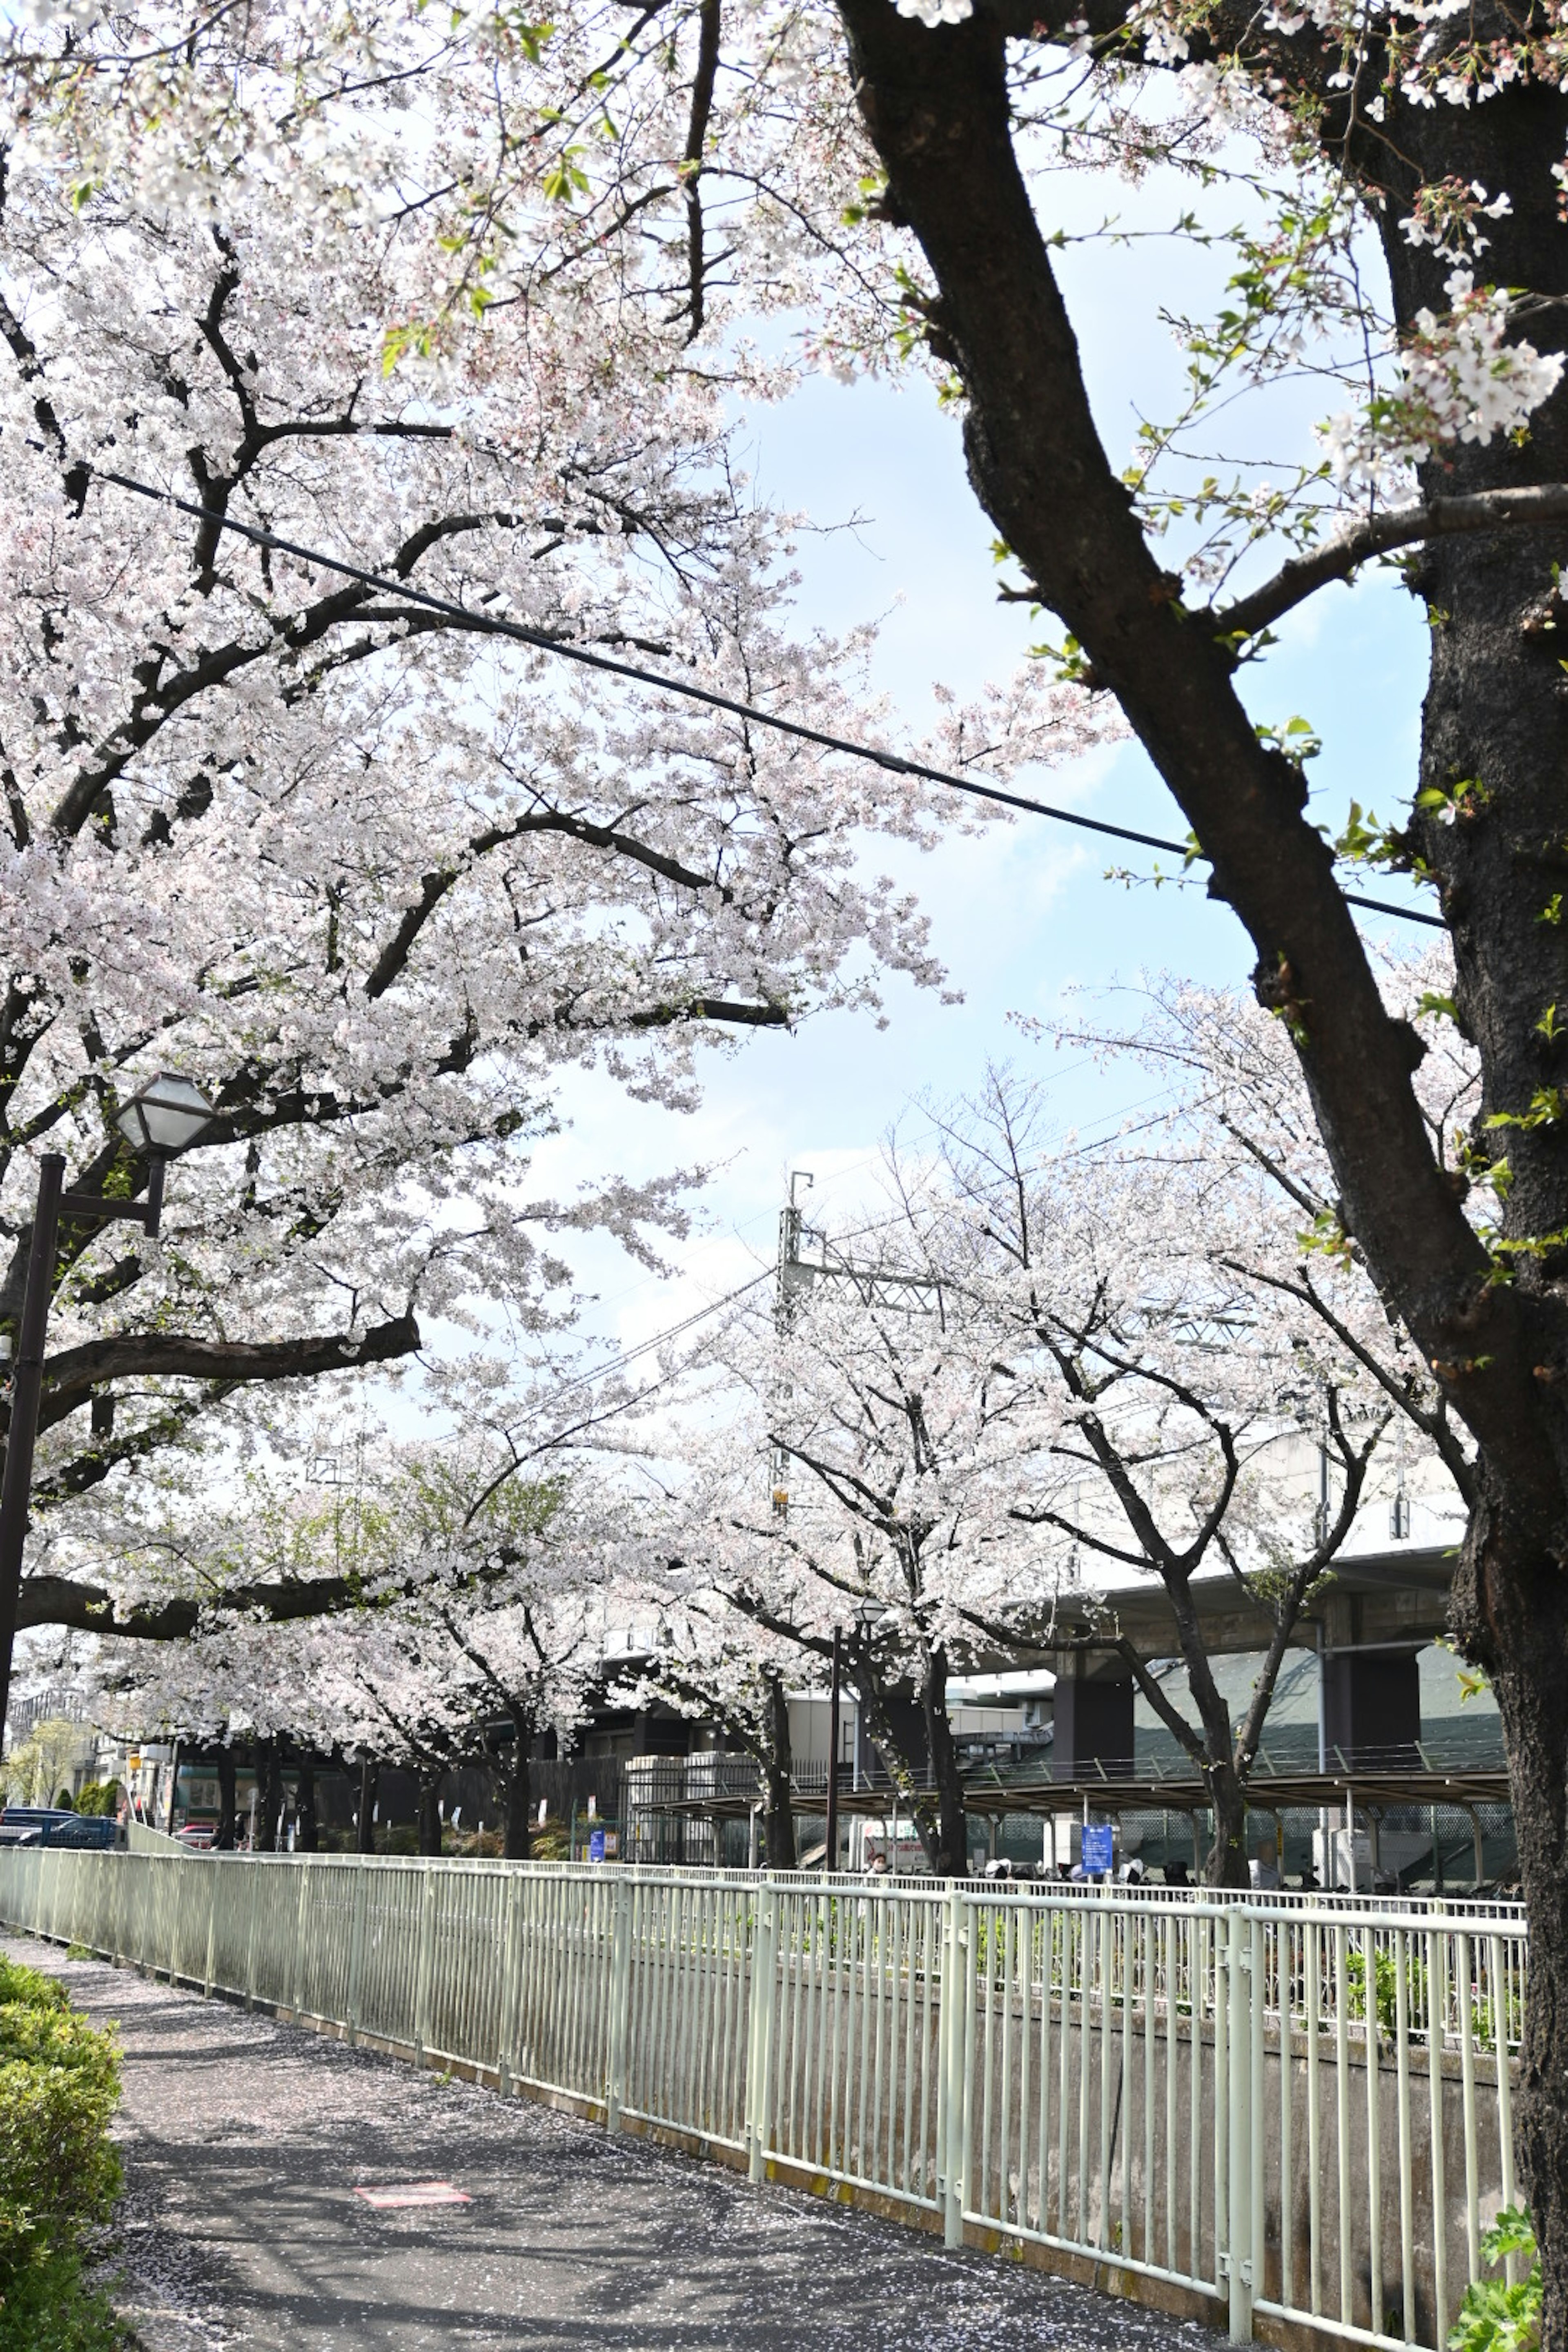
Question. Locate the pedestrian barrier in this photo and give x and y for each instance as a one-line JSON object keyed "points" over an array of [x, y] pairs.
{"points": [[1282, 2116]]}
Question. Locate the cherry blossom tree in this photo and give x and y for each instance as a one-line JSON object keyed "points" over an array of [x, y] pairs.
{"points": [[717, 1664], [463, 1615], [1387, 183], [1044, 1374], [375, 878]]}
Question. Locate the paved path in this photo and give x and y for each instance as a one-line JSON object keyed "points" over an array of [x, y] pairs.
{"points": [[244, 2140]]}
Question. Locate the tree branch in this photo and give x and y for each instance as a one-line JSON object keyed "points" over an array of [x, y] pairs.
{"points": [[1520, 510], [71, 1376]]}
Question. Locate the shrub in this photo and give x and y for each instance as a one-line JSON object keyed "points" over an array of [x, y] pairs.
{"points": [[99, 1797], [18, 1984], [59, 2081], [1495, 2316], [50, 2307]]}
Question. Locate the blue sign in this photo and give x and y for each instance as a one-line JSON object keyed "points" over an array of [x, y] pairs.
{"points": [[596, 1845], [1098, 1847]]}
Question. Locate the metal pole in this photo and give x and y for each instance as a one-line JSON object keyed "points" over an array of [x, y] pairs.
{"points": [[830, 1860], [26, 1387]]}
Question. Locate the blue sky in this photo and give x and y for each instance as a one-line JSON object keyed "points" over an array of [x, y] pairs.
{"points": [[1022, 916]]}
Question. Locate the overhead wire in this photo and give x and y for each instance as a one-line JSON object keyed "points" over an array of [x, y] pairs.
{"points": [[499, 625]]}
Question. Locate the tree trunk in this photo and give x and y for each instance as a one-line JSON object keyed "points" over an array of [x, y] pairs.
{"points": [[430, 1779], [777, 1766], [1494, 755], [271, 1802], [369, 1779], [228, 1820], [307, 1834], [1226, 1864], [1511, 1612], [518, 1832], [952, 1830], [911, 1733]]}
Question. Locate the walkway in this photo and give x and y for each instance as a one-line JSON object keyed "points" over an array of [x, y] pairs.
{"points": [[244, 2141]]}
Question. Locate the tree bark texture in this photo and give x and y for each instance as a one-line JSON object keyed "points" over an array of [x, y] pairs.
{"points": [[1226, 1864], [518, 1831], [271, 1798], [227, 1818], [778, 1818], [430, 1779], [307, 1831], [911, 1734], [1494, 744], [364, 1825]]}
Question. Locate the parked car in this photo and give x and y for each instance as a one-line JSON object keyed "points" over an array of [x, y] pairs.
{"points": [[51, 1825], [198, 1835]]}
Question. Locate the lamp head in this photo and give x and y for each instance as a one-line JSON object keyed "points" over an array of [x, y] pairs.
{"points": [[165, 1116]]}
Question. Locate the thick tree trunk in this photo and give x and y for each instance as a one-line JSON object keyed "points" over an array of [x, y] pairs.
{"points": [[364, 1827], [518, 1831], [307, 1833], [777, 1773], [952, 1828], [1511, 1612], [271, 1801], [228, 1819], [1494, 756], [1226, 1864], [430, 1779]]}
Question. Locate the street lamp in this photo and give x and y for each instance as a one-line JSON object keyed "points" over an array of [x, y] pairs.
{"points": [[162, 1119]]}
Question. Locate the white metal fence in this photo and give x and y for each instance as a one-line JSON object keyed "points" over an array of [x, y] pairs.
{"points": [[1300, 2109]]}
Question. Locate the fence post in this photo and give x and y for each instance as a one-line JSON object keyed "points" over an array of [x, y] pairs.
{"points": [[296, 1985], [1241, 1994], [760, 2030], [620, 1999], [254, 1869], [511, 1982], [422, 1972], [214, 1868], [956, 1979], [356, 1951], [1257, 1996]]}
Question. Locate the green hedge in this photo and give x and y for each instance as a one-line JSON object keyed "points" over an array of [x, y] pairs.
{"points": [[59, 2174], [99, 1797]]}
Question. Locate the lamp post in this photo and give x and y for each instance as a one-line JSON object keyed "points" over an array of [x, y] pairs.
{"points": [[161, 1120]]}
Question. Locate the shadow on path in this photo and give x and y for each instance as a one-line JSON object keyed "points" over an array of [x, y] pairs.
{"points": [[244, 2141]]}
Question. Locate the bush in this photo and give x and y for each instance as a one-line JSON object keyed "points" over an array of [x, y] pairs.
{"points": [[50, 2307], [1495, 2316], [99, 1797], [59, 2082]]}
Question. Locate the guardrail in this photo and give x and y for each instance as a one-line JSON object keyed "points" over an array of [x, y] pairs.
{"points": [[1300, 2110]]}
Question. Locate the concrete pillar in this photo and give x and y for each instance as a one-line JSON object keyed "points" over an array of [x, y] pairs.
{"points": [[1372, 1707], [1094, 1728]]}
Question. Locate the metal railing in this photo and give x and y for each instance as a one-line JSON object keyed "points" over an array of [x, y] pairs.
{"points": [[1301, 2108]]}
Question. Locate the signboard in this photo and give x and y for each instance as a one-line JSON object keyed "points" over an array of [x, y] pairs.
{"points": [[1098, 1847], [596, 1845]]}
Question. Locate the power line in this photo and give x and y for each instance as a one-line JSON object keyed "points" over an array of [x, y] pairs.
{"points": [[496, 625]]}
